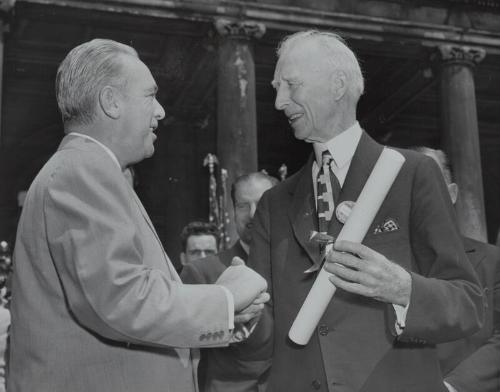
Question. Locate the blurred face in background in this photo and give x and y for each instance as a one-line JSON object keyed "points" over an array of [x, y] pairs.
{"points": [[246, 196]]}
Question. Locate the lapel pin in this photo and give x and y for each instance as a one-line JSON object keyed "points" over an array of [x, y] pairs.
{"points": [[343, 210]]}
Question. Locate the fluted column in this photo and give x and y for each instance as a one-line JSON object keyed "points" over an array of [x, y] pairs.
{"points": [[5, 8], [461, 134], [236, 106]]}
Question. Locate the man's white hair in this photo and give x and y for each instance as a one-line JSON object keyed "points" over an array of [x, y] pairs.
{"points": [[339, 54], [84, 72]]}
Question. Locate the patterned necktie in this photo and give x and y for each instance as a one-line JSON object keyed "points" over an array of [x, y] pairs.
{"points": [[328, 191]]}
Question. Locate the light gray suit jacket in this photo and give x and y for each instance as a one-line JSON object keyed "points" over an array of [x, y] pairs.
{"points": [[97, 304]]}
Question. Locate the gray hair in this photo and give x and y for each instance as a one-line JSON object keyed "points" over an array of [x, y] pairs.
{"points": [[440, 158], [84, 72], [248, 177], [339, 54]]}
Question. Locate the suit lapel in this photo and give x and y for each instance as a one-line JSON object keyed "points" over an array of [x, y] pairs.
{"points": [[302, 211], [363, 161]]}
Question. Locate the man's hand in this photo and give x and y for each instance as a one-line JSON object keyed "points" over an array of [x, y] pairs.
{"points": [[360, 270], [253, 310], [244, 283]]}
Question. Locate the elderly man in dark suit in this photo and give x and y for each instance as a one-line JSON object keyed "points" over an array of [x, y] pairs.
{"points": [[406, 288], [473, 364], [220, 369], [96, 303]]}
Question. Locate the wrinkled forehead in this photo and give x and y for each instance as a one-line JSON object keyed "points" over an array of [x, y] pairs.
{"points": [[300, 56], [201, 241]]}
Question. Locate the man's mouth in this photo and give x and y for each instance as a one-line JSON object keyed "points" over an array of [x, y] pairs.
{"points": [[294, 117]]}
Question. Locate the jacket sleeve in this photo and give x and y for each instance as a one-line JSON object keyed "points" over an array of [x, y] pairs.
{"points": [[446, 301], [480, 372], [97, 250]]}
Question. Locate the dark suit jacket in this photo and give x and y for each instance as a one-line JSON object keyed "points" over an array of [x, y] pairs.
{"points": [[222, 369], [473, 364], [355, 347]]}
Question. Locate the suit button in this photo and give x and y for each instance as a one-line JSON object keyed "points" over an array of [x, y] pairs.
{"points": [[323, 330], [316, 384]]}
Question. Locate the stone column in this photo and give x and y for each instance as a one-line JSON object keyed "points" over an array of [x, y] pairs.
{"points": [[236, 106], [5, 8], [461, 135]]}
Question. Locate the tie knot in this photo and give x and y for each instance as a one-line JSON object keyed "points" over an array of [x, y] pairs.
{"points": [[326, 158]]}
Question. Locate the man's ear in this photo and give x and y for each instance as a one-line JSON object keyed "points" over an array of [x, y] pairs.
{"points": [[183, 258], [109, 100], [453, 191], [339, 85]]}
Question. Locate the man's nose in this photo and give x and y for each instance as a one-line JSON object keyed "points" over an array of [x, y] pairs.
{"points": [[282, 97], [159, 111]]}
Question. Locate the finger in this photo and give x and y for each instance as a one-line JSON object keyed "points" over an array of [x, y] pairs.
{"points": [[351, 287], [237, 261], [346, 259], [242, 318], [344, 273], [262, 298], [361, 250], [253, 308]]}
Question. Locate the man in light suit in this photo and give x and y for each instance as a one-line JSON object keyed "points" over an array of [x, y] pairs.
{"points": [[406, 288], [473, 364], [221, 368], [97, 304]]}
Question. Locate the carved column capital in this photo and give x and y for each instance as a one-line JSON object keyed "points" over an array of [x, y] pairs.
{"points": [[457, 54], [6, 5], [239, 28]]}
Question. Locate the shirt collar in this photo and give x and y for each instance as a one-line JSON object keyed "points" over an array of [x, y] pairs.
{"points": [[342, 147], [106, 149], [245, 247]]}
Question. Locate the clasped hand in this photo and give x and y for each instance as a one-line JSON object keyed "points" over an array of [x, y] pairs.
{"points": [[360, 270], [248, 289]]}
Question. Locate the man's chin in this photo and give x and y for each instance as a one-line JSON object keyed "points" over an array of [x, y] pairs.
{"points": [[300, 133], [149, 152]]}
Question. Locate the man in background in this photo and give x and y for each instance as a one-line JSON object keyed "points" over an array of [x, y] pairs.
{"points": [[96, 302], [246, 192], [220, 369], [198, 240], [473, 364]]}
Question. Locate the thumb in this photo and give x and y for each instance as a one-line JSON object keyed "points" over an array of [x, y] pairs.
{"points": [[237, 261]]}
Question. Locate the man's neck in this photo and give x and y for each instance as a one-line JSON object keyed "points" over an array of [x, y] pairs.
{"points": [[95, 131]]}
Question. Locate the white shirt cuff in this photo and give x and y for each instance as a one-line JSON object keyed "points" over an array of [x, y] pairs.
{"points": [[230, 308], [400, 317]]}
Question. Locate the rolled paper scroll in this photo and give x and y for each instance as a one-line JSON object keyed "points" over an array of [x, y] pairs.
{"points": [[359, 221]]}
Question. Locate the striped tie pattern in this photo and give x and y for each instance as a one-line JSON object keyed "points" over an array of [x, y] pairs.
{"points": [[328, 191]]}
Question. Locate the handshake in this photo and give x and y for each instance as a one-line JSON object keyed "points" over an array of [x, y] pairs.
{"points": [[248, 289]]}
